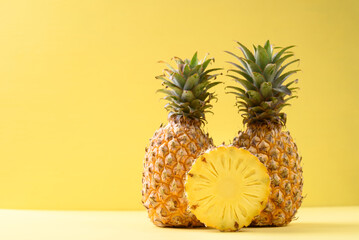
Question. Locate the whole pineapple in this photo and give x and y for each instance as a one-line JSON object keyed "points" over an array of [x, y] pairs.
{"points": [[174, 147], [263, 93]]}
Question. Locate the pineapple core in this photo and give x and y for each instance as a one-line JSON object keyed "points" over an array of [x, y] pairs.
{"points": [[227, 187]]}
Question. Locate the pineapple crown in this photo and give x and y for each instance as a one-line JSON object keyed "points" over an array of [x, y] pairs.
{"points": [[187, 88], [264, 90]]}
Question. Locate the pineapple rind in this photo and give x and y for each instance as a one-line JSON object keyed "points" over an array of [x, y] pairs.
{"points": [[227, 187], [279, 154], [171, 152]]}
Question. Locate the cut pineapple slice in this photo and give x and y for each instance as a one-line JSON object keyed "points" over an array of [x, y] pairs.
{"points": [[227, 187]]}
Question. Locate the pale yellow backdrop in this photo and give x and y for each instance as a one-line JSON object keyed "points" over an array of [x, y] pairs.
{"points": [[78, 102]]}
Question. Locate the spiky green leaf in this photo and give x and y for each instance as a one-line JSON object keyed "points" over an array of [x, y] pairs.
{"points": [[246, 52], [269, 72], [278, 81], [282, 60], [243, 74], [237, 66], [178, 79], [187, 96], [262, 57], [237, 89], [191, 82], [169, 92], [292, 82], [194, 61], [258, 79], [206, 63], [253, 67], [266, 89], [279, 72], [254, 96], [277, 56], [268, 48], [246, 84], [282, 89], [212, 84]]}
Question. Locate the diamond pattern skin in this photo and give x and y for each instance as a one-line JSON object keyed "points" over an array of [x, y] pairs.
{"points": [[278, 152], [168, 158]]}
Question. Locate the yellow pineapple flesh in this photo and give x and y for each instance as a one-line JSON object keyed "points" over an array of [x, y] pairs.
{"points": [[227, 187]]}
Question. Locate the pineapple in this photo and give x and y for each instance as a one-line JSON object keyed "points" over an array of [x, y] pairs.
{"points": [[263, 93], [174, 147], [227, 187]]}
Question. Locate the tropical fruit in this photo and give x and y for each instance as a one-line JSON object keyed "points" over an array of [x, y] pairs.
{"points": [[227, 187], [263, 93], [174, 147]]}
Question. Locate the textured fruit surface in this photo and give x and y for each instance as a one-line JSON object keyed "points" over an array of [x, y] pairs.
{"points": [[278, 152], [172, 151], [227, 187]]}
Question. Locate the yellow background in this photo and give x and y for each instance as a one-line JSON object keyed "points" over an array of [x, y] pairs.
{"points": [[78, 102]]}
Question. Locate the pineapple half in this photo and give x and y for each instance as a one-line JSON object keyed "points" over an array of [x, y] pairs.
{"points": [[227, 187], [174, 146]]}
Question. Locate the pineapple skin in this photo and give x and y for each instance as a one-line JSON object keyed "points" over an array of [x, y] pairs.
{"points": [[279, 154], [170, 155]]}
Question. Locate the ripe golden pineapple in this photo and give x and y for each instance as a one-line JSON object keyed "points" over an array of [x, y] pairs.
{"points": [[174, 147], [263, 95], [227, 187]]}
